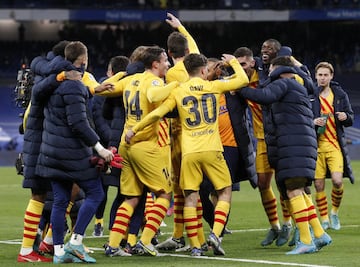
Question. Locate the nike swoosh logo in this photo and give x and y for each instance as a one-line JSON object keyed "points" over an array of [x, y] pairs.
{"points": [[30, 260]]}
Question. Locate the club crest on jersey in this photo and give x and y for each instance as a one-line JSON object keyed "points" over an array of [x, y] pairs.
{"points": [[135, 83], [155, 83], [219, 156]]}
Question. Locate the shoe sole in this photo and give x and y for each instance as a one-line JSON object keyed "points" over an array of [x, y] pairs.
{"points": [[29, 260], [81, 256], [72, 259], [307, 251]]}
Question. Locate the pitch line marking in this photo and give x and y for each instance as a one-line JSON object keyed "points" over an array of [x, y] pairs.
{"points": [[247, 260]]}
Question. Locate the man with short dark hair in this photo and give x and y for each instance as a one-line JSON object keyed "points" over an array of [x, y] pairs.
{"points": [[179, 44]]}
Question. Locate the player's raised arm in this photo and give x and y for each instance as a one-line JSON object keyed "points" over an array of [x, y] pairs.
{"points": [[238, 80]]}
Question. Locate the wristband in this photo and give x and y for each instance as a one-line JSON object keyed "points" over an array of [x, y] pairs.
{"points": [[98, 147], [61, 76]]}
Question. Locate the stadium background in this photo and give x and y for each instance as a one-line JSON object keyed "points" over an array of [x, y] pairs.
{"points": [[316, 30]]}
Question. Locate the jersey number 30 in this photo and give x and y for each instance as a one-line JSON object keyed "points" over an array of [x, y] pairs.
{"points": [[200, 109]]}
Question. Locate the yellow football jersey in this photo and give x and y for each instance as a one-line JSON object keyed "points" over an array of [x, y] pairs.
{"points": [[197, 101], [89, 81], [328, 140], [256, 111], [178, 71]]}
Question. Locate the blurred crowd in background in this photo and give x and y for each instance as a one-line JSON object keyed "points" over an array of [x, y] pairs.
{"points": [[311, 42], [184, 4]]}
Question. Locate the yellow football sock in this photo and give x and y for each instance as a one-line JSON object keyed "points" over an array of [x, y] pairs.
{"points": [[154, 218], [336, 197], [191, 226], [132, 239], [270, 206], [313, 218], [31, 222], [200, 230], [119, 229], [322, 205], [300, 213], [179, 201], [101, 221], [221, 212]]}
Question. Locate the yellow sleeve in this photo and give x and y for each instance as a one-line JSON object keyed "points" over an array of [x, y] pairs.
{"points": [[193, 48], [89, 81], [119, 87], [299, 79], [159, 93], [155, 115], [26, 115], [238, 80], [115, 77], [177, 73]]}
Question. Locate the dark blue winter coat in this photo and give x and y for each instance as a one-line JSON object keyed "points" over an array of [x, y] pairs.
{"points": [[102, 125], [41, 66], [236, 106], [109, 118], [341, 103], [67, 138], [289, 128]]}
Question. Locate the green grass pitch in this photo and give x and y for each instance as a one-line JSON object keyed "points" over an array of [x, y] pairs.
{"points": [[247, 220]]}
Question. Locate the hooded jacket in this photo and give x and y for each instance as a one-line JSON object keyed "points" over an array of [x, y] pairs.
{"points": [[288, 125]]}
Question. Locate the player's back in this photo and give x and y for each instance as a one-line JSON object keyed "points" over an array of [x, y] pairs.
{"points": [[137, 105], [198, 105], [177, 73]]}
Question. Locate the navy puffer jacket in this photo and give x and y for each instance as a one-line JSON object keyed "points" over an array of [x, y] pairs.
{"points": [[112, 116], [289, 129], [67, 138], [102, 125], [41, 90]]}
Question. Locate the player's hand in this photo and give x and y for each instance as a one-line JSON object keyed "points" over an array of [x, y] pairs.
{"points": [[106, 154], [73, 75], [117, 161], [104, 87], [226, 58], [129, 134], [320, 121], [173, 21], [341, 116]]}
